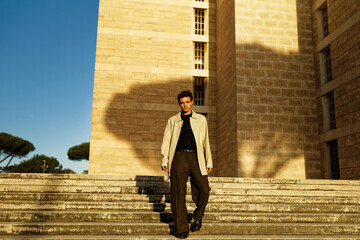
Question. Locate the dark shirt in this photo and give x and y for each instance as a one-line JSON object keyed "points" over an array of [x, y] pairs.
{"points": [[186, 138]]}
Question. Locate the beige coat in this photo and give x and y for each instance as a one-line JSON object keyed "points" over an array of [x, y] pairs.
{"points": [[171, 136]]}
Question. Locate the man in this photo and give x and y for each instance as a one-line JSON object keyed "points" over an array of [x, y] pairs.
{"points": [[186, 152]]}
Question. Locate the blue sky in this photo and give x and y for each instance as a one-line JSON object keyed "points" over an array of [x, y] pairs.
{"points": [[47, 58]]}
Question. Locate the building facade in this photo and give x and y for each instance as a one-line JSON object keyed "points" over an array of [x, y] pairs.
{"points": [[256, 68], [336, 36]]}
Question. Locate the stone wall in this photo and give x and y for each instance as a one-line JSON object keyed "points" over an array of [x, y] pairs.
{"points": [[144, 58], [227, 153], [343, 40], [265, 89], [277, 134]]}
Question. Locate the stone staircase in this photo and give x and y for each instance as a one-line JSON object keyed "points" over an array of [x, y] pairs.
{"points": [[53, 206]]}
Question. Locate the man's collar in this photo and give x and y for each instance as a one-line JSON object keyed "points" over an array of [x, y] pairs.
{"points": [[186, 115], [178, 116]]}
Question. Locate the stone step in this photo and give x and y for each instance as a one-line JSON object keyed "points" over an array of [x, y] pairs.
{"points": [[110, 178], [164, 228], [86, 177], [130, 216], [197, 237], [74, 206], [155, 190], [158, 184], [161, 198], [264, 192], [7, 183], [159, 207]]}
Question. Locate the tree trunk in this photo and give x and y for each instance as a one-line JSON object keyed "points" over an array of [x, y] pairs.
{"points": [[5, 158], [9, 162]]}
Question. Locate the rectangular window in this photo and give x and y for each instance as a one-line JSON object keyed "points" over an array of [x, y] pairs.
{"points": [[322, 24], [199, 90], [325, 22], [334, 159], [327, 63], [199, 21], [331, 102], [199, 55]]}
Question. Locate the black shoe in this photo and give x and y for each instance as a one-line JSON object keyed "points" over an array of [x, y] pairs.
{"points": [[182, 235], [196, 225]]}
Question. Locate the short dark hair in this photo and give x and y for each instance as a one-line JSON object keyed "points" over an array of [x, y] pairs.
{"points": [[186, 93]]}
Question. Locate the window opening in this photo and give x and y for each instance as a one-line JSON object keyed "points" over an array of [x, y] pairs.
{"points": [[332, 121], [199, 90], [334, 159], [199, 21], [199, 55], [328, 64], [325, 21]]}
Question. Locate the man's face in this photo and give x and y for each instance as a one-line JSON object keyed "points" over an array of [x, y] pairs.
{"points": [[185, 105]]}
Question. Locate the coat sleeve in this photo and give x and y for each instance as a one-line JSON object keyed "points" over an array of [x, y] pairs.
{"points": [[207, 151], [165, 146]]}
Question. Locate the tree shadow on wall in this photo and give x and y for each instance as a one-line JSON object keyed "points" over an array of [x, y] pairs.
{"points": [[286, 81], [276, 110], [139, 117]]}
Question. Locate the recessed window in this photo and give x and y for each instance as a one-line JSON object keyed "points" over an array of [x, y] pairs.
{"points": [[334, 159], [328, 64], [331, 102], [199, 90], [322, 21], [325, 21], [325, 65], [200, 21], [329, 119], [199, 55]]}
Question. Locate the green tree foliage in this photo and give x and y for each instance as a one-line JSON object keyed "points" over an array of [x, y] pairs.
{"points": [[79, 152], [37, 164], [13, 146]]}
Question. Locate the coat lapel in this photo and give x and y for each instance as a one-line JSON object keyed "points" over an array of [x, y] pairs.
{"points": [[194, 123], [178, 125]]}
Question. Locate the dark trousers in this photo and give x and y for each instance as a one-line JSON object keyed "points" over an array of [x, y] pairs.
{"points": [[183, 166]]}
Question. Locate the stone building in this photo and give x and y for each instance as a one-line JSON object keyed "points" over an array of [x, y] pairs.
{"points": [[260, 73], [336, 39]]}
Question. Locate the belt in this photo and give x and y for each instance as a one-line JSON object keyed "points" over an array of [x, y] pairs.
{"points": [[186, 150]]}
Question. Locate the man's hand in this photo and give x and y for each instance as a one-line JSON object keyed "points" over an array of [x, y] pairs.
{"points": [[164, 168], [209, 170]]}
